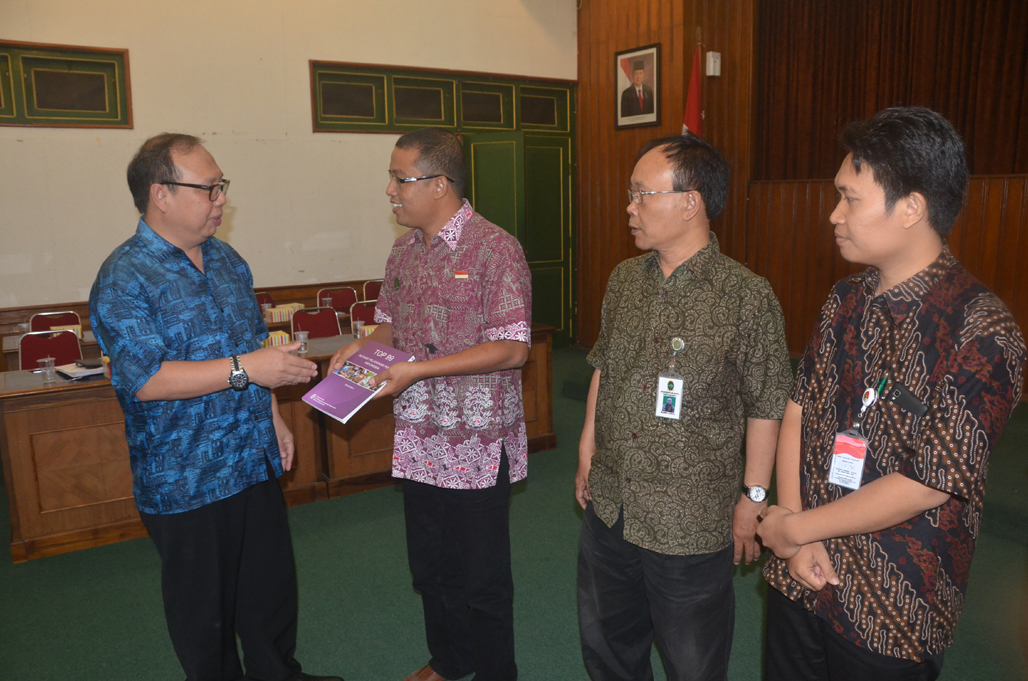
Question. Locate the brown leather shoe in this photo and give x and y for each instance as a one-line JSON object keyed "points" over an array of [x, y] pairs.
{"points": [[426, 673]]}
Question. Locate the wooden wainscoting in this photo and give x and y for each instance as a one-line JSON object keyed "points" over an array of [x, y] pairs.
{"points": [[790, 242]]}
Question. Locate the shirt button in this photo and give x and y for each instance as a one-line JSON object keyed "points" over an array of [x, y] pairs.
{"points": [[628, 480], [656, 340], [644, 387], [634, 436]]}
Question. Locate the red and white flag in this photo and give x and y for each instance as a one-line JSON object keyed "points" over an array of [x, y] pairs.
{"points": [[693, 119]]}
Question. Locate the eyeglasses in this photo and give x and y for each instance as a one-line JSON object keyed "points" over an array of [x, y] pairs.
{"points": [[214, 189], [636, 196], [406, 180]]}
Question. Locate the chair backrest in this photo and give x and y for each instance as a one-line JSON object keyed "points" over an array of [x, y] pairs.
{"points": [[371, 289], [265, 298], [363, 311], [63, 346], [318, 322], [44, 321], [342, 298]]}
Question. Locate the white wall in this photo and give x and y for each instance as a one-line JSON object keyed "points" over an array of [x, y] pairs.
{"points": [[302, 208]]}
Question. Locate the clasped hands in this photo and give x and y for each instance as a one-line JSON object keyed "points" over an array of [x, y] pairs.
{"points": [[809, 564]]}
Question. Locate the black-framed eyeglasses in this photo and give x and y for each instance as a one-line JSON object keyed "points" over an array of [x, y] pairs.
{"points": [[407, 180], [636, 195], [215, 190]]}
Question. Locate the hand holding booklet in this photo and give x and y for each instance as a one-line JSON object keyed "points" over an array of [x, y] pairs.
{"points": [[343, 392]]}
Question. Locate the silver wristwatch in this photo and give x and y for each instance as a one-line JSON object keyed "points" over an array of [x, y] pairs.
{"points": [[238, 378], [756, 493]]}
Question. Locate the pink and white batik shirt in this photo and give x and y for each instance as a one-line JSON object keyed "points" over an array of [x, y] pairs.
{"points": [[469, 286]]}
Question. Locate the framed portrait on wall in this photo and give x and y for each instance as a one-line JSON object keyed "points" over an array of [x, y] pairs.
{"points": [[637, 91]]}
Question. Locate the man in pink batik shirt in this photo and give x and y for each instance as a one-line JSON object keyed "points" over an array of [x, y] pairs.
{"points": [[457, 295]]}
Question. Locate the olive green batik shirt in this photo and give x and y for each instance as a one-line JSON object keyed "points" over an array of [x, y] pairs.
{"points": [[679, 480]]}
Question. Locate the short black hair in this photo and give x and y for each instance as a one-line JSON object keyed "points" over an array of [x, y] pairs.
{"points": [[913, 149], [439, 153], [695, 165], [152, 164]]}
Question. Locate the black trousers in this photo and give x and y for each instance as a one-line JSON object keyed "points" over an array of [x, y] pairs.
{"points": [[628, 595], [458, 548], [800, 646], [226, 569]]}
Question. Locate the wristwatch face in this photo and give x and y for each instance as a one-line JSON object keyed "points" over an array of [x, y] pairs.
{"points": [[239, 380], [756, 494]]}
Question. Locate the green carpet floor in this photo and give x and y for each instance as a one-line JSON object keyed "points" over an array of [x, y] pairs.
{"points": [[97, 614]]}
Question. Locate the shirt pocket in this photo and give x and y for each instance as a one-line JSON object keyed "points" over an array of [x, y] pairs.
{"points": [[464, 318]]}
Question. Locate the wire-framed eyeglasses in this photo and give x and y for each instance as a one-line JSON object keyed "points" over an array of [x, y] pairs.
{"points": [[407, 180], [636, 195], [214, 190]]}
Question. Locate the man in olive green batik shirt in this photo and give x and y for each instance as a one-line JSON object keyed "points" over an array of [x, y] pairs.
{"points": [[669, 505]]}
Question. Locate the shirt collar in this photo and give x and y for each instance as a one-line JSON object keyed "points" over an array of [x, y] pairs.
{"points": [[902, 297], [161, 247], [451, 231], [700, 264]]}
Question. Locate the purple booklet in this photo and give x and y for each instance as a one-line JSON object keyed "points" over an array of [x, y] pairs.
{"points": [[343, 392]]}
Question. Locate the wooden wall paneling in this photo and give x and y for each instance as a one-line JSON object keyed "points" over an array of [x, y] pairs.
{"points": [[1011, 274], [824, 64], [791, 243]]}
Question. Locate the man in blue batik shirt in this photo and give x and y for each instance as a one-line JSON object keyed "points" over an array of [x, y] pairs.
{"points": [[174, 309]]}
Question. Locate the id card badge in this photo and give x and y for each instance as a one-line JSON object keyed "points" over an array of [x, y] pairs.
{"points": [[669, 396], [848, 456]]}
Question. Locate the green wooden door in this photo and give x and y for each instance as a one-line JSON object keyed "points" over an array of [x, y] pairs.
{"points": [[523, 183]]}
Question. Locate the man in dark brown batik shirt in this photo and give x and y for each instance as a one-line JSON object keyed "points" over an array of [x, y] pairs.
{"points": [[868, 578], [665, 517]]}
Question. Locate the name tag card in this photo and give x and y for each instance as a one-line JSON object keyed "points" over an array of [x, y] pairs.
{"points": [[848, 456], [669, 397]]}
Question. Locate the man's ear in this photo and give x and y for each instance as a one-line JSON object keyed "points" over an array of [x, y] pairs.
{"points": [[693, 206], [159, 197], [915, 209], [440, 187]]}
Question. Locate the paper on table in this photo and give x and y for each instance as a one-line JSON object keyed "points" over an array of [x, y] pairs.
{"points": [[74, 371]]}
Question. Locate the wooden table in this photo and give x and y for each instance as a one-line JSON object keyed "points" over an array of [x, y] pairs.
{"points": [[65, 456]]}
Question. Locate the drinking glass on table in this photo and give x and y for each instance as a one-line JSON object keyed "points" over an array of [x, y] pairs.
{"points": [[47, 367], [302, 337], [357, 326], [326, 301]]}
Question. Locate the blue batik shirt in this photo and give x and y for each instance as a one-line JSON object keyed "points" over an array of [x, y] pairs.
{"points": [[150, 304]]}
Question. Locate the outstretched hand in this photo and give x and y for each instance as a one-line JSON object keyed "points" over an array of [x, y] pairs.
{"points": [[274, 367]]}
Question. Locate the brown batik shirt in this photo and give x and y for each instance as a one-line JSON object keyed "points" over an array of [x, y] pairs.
{"points": [[958, 350], [679, 480]]}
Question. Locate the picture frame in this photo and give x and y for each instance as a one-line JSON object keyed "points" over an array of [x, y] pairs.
{"points": [[637, 94]]}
